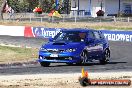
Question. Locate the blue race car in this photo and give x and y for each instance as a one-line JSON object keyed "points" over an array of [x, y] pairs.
{"points": [[75, 46]]}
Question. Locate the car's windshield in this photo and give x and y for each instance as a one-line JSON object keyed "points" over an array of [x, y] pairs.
{"points": [[70, 36]]}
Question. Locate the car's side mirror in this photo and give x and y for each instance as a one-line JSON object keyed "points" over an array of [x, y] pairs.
{"points": [[51, 39]]}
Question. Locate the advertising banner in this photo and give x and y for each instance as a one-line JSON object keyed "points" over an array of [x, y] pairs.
{"points": [[45, 32], [111, 35], [118, 35], [40, 32]]}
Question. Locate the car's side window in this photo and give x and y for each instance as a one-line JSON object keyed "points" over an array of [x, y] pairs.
{"points": [[97, 35], [101, 34], [91, 34]]}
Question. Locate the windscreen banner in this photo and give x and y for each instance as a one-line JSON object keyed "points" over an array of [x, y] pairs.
{"points": [[111, 35]]}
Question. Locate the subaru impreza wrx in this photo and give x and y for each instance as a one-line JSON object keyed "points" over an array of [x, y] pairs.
{"points": [[75, 46]]}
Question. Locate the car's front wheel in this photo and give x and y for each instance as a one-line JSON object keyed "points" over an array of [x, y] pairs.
{"points": [[106, 57], [84, 57], [44, 64]]}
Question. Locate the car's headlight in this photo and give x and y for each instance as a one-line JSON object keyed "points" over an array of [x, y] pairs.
{"points": [[70, 50], [43, 49]]}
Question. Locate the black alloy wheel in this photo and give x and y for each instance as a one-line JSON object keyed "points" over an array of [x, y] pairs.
{"points": [[106, 57]]}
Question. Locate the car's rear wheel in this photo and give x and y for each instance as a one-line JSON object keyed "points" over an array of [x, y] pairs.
{"points": [[106, 57], [44, 64]]}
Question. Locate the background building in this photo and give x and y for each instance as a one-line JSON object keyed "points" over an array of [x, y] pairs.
{"points": [[110, 7]]}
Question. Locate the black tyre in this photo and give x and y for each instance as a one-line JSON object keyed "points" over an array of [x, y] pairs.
{"points": [[44, 64], [84, 57], [106, 57]]}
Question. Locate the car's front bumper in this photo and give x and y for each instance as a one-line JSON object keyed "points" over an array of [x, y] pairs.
{"points": [[70, 57], [58, 61]]}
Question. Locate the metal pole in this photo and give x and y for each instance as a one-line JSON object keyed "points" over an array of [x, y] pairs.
{"points": [[114, 19], [57, 4], [30, 18], [90, 4], [76, 17], [52, 19], [78, 6], [41, 19], [128, 19], [119, 7], [63, 18], [67, 6], [101, 5]]}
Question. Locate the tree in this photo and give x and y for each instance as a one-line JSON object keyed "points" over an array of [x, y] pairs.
{"points": [[40, 3], [32, 5], [63, 7], [18, 5], [2, 3], [29, 5]]}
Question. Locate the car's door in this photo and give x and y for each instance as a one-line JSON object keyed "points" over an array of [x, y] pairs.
{"points": [[94, 46], [98, 44], [90, 44]]}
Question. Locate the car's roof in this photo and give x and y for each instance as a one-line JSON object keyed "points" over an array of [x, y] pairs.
{"points": [[79, 30]]}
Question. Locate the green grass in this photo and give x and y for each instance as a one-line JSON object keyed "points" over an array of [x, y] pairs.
{"points": [[14, 54]]}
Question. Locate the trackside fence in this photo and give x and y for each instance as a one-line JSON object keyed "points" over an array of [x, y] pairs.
{"points": [[30, 17]]}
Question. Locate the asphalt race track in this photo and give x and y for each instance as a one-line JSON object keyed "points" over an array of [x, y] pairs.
{"points": [[121, 59]]}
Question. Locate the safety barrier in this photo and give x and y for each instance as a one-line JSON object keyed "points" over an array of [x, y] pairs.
{"points": [[12, 30], [42, 32]]}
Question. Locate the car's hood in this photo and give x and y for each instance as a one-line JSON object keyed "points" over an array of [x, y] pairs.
{"points": [[62, 45]]}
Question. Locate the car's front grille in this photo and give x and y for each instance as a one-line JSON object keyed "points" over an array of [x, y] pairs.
{"points": [[55, 50], [58, 58]]}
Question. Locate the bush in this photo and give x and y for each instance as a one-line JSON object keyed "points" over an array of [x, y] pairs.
{"points": [[100, 13]]}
